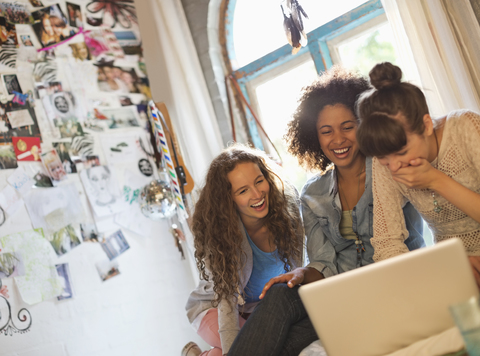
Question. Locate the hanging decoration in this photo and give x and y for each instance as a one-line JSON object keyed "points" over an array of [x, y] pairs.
{"points": [[9, 328], [156, 116], [293, 24]]}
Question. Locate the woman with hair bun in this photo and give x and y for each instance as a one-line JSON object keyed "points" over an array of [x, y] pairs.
{"points": [[432, 163], [247, 229]]}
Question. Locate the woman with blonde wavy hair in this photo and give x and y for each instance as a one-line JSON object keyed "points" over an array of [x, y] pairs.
{"points": [[247, 229]]}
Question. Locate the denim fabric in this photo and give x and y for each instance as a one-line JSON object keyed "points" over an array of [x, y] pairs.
{"points": [[282, 314], [327, 250]]}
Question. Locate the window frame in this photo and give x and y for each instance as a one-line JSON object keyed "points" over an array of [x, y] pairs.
{"points": [[281, 60]]}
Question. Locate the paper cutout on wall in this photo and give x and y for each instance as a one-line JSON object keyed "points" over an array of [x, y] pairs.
{"points": [[64, 240], [40, 281], [107, 269], [63, 271]]}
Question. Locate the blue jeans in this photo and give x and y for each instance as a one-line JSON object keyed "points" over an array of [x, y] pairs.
{"points": [[279, 325]]}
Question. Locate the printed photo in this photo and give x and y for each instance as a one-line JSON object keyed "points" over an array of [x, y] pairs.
{"points": [[11, 264], [117, 118], [102, 189], [119, 80], [64, 274], [8, 159], [43, 89], [10, 81], [89, 233], [115, 245], [26, 40], [8, 35], [63, 150], [53, 165], [75, 17], [15, 13], [51, 26], [107, 269], [64, 240], [36, 3], [80, 51]]}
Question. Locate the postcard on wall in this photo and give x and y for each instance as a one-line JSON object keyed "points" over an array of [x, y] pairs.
{"points": [[51, 26], [90, 233], [53, 165], [11, 264], [107, 269], [26, 148], [102, 189], [117, 118], [8, 159], [115, 245], [20, 118], [64, 240], [63, 271], [54, 208], [63, 150]]}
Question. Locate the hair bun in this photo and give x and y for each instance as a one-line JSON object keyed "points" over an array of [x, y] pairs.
{"points": [[385, 75]]}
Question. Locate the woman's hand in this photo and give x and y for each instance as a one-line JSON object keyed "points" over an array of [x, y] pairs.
{"points": [[418, 175], [297, 276], [475, 262]]}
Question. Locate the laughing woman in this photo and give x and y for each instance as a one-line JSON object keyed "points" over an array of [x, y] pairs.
{"points": [[432, 163], [247, 229], [337, 207]]}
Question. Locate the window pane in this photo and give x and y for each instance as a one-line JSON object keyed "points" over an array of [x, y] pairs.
{"points": [[363, 52], [277, 100], [258, 25]]}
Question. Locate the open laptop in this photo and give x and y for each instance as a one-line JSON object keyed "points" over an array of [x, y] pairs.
{"points": [[386, 306]]}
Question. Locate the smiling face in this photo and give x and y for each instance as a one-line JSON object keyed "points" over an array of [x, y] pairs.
{"points": [[249, 191], [336, 129], [47, 26]]}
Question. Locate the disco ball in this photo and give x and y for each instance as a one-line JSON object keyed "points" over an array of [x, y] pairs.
{"points": [[157, 200]]}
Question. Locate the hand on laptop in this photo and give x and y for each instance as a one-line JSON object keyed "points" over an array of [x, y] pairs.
{"points": [[301, 275], [475, 262]]}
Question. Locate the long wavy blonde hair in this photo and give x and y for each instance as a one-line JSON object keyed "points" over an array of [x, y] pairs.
{"points": [[218, 238]]}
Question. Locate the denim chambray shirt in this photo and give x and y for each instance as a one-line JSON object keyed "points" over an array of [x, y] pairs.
{"points": [[327, 250]]}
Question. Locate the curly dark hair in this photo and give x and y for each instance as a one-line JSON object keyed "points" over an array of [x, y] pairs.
{"points": [[215, 222], [335, 86]]}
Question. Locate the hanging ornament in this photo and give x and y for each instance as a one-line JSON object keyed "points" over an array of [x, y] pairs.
{"points": [[293, 24]]}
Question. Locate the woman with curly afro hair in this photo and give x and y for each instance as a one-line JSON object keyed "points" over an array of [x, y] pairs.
{"points": [[247, 229], [337, 210]]}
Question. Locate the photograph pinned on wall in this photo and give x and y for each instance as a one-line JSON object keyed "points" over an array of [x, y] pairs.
{"points": [[103, 44], [64, 240], [11, 264], [6, 130], [115, 244], [118, 118], [61, 106], [54, 166], [8, 159], [26, 40], [107, 269], [90, 233], [8, 34], [36, 3], [44, 89], [127, 38], [26, 148], [80, 51], [55, 208], [119, 80], [75, 17], [63, 150], [11, 84], [63, 271], [51, 26], [15, 12], [102, 189]]}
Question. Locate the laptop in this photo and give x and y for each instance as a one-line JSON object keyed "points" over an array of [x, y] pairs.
{"points": [[389, 305]]}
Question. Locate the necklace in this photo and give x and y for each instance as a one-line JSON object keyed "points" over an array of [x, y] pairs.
{"points": [[436, 208], [358, 241]]}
